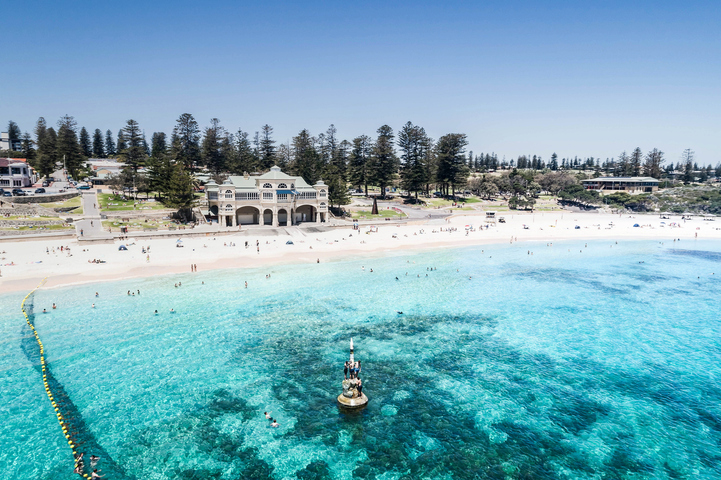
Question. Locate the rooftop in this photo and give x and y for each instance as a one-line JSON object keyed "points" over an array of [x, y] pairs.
{"points": [[252, 182], [622, 179], [4, 162]]}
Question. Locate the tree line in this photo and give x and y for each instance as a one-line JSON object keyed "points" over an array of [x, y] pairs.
{"points": [[409, 158], [410, 155]]}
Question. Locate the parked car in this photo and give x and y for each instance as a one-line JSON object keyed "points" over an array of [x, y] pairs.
{"points": [[19, 192], [84, 187], [46, 183], [39, 190], [7, 194]]}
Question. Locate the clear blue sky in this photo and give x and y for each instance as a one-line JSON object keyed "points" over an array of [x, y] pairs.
{"points": [[518, 77]]}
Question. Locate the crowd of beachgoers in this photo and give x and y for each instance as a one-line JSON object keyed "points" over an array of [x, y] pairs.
{"points": [[24, 263]]}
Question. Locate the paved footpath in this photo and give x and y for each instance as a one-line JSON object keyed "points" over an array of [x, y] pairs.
{"points": [[91, 225]]}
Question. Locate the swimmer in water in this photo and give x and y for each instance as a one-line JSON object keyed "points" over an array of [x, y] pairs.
{"points": [[96, 294], [54, 307], [267, 415], [45, 311], [156, 312], [93, 305], [274, 424], [172, 311]]}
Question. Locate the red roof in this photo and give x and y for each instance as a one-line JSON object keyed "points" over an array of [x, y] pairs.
{"points": [[4, 162]]}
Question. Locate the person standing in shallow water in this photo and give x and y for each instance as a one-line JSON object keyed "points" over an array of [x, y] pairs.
{"points": [[345, 370]]}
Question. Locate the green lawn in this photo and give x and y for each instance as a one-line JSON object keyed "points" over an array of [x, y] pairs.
{"points": [[40, 228], [442, 202], [366, 215], [72, 202], [26, 217], [137, 225], [114, 203]]}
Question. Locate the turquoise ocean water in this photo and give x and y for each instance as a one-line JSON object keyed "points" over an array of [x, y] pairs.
{"points": [[574, 362]]}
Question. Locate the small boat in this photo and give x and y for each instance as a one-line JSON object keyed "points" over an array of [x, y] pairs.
{"points": [[351, 398]]}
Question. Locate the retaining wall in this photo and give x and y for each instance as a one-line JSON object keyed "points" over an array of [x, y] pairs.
{"points": [[42, 198]]}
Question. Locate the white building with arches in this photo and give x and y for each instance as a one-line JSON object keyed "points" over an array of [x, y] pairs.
{"points": [[274, 198]]}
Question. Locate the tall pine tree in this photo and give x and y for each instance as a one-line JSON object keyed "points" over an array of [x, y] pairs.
{"points": [[244, 160], [67, 147], [159, 146], [359, 164], [46, 156], [306, 160], [134, 153], [14, 134], [634, 168], [384, 163], [267, 148], [452, 167], [211, 152], [186, 142], [98, 147], [121, 145], [85, 145], [414, 145], [652, 166], [110, 149], [27, 148]]}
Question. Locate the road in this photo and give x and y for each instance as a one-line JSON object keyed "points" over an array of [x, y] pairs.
{"points": [[91, 225], [60, 184]]}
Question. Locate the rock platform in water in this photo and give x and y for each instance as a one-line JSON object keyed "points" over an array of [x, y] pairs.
{"points": [[353, 402]]}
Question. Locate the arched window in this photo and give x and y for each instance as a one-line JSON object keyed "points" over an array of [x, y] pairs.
{"points": [[282, 185], [229, 191], [322, 204], [322, 191], [292, 185], [229, 207], [267, 185]]}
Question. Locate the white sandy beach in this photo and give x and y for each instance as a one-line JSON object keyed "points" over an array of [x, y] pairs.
{"points": [[24, 263]]}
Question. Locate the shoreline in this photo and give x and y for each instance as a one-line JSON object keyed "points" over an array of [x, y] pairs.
{"points": [[311, 246]]}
